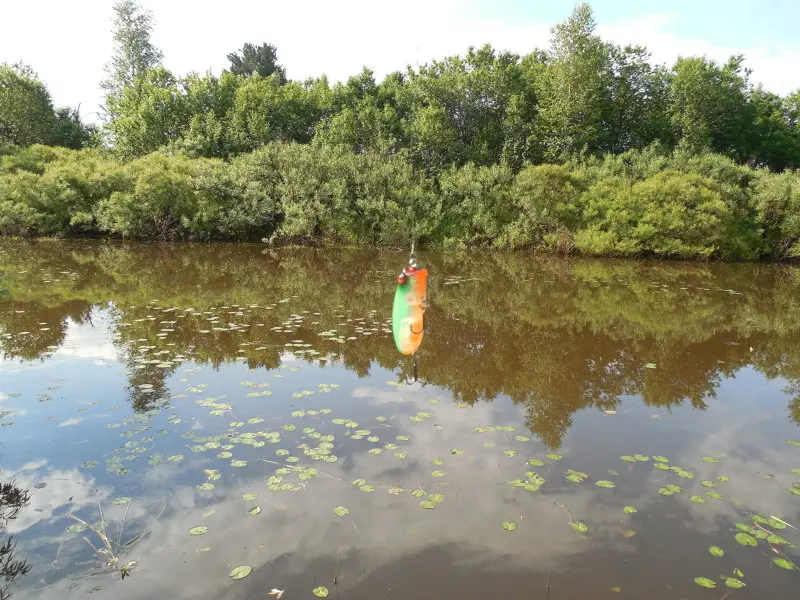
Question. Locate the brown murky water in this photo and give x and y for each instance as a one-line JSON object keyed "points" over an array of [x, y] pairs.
{"points": [[257, 395]]}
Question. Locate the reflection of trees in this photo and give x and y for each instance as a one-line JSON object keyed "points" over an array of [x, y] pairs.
{"points": [[555, 334], [12, 500]]}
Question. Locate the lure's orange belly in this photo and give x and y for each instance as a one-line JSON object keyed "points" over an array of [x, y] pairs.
{"points": [[408, 311]]}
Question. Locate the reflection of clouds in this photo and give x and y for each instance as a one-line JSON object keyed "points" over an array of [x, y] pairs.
{"points": [[382, 526], [87, 342], [72, 421], [67, 490], [296, 530]]}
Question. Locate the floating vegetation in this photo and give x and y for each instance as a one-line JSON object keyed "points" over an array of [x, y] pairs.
{"points": [[716, 551], [705, 582], [320, 592], [605, 484], [552, 456], [579, 527], [746, 540], [240, 572], [509, 525], [629, 510], [576, 476], [199, 530], [341, 511]]}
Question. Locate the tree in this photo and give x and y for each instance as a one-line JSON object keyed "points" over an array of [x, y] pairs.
{"points": [[575, 94], [26, 110], [637, 108], [709, 105], [261, 60], [69, 131], [149, 115], [134, 52]]}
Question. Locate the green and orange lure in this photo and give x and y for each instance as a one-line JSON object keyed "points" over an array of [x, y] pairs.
{"points": [[409, 308]]}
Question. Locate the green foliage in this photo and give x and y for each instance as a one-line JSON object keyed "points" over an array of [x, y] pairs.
{"points": [[26, 110], [548, 208], [777, 202], [650, 203], [133, 54], [669, 214], [256, 60]]}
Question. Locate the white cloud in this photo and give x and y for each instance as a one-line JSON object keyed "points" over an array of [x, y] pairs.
{"points": [[70, 422]]}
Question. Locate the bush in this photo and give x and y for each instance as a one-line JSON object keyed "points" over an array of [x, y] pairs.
{"points": [[671, 214], [776, 198], [547, 200]]}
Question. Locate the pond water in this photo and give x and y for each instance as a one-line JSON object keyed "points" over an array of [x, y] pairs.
{"points": [[203, 411]]}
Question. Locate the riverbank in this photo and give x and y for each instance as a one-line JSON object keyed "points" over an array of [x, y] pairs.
{"points": [[640, 203]]}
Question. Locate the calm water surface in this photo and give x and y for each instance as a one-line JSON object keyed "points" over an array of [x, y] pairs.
{"points": [[255, 397]]}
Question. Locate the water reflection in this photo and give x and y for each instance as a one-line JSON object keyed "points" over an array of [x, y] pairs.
{"points": [[554, 335], [189, 378]]}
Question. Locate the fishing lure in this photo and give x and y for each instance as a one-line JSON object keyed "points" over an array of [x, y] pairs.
{"points": [[409, 307]]}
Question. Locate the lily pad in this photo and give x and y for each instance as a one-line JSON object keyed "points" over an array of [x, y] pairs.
{"points": [[175, 458], [714, 495], [77, 528], [511, 453], [710, 459], [121, 500], [320, 592], [427, 504], [705, 582], [359, 482], [240, 572], [628, 458], [367, 488], [784, 563], [535, 462], [746, 540], [605, 484], [708, 484], [417, 493], [794, 443], [205, 486], [200, 530], [437, 474], [698, 499], [661, 459], [579, 527], [238, 463], [776, 524], [553, 456], [255, 510], [249, 497], [341, 511], [716, 551], [629, 510], [734, 583], [438, 498], [509, 525]]}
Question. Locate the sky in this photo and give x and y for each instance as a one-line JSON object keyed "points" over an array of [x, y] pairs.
{"points": [[68, 43]]}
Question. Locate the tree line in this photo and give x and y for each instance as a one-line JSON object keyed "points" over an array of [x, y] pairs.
{"points": [[477, 125]]}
